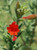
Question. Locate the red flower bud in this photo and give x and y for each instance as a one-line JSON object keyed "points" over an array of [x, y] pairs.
{"points": [[30, 17], [14, 38]]}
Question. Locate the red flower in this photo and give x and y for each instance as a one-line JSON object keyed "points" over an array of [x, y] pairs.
{"points": [[13, 29], [30, 17], [14, 38]]}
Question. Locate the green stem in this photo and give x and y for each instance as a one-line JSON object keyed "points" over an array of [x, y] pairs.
{"points": [[10, 46], [36, 8], [33, 32], [9, 10], [22, 40]]}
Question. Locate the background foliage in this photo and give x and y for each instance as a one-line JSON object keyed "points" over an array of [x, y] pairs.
{"points": [[7, 15]]}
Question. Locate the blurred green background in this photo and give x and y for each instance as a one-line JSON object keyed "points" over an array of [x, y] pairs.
{"points": [[6, 15]]}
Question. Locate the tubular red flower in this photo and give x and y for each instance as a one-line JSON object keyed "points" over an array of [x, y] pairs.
{"points": [[30, 17], [14, 38], [13, 29]]}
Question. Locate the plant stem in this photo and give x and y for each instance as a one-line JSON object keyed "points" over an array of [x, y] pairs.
{"points": [[9, 10], [33, 32], [10, 46], [36, 8], [22, 40]]}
